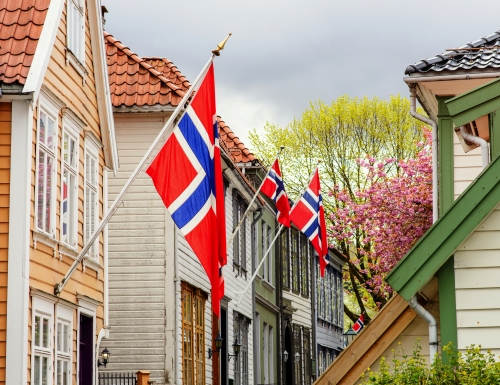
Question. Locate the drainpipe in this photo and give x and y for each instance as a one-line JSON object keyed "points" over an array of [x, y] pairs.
{"points": [[432, 123], [177, 313], [480, 142], [433, 331]]}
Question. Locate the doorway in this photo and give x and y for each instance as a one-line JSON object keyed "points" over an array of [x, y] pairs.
{"points": [[223, 351], [86, 352], [288, 365]]}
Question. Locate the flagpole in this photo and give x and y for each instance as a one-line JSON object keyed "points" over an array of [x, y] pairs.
{"points": [[180, 109], [273, 242], [235, 231]]}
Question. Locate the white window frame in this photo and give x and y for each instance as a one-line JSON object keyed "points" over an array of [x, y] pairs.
{"points": [[269, 261], [51, 110], [266, 353], [42, 308], [64, 317], [72, 130], [91, 151], [75, 34], [270, 339]]}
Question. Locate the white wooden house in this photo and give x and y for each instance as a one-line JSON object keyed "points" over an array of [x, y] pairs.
{"points": [[160, 310]]}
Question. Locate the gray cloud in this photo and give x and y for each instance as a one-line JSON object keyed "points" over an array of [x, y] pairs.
{"points": [[284, 54]]}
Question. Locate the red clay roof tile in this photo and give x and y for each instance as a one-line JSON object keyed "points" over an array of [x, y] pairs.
{"points": [[21, 23], [233, 146], [134, 81]]}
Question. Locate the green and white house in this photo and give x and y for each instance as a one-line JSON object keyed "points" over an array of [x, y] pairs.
{"points": [[462, 248]]}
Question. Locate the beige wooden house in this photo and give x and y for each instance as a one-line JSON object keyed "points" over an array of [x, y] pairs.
{"points": [[56, 148]]}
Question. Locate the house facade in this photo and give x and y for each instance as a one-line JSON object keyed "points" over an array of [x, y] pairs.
{"points": [[58, 148], [451, 272], [160, 311]]}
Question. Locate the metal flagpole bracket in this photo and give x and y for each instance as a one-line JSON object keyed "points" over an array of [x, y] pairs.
{"points": [[221, 45]]}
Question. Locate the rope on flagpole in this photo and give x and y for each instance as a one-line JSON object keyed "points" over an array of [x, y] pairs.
{"points": [[242, 293], [237, 228], [179, 110]]}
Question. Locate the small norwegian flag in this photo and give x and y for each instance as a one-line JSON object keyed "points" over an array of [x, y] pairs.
{"points": [[360, 324], [273, 188]]}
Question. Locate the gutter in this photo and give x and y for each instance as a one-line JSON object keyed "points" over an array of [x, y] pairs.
{"points": [[480, 142], [433, 331], [464, 76], [433, 124]]}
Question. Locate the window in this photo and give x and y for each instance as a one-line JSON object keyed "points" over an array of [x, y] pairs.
{"points": [[340, 300], [240, 240], [321, 365], [69, 187], [270, 356], [266, 353], [240, 328], [297, 349], [193, 335], [306, 353], [42, 342], [267, 266], [295, 261], [64, 331], [263, 233], [46, 171], [269, 261], [76, 28], [304, 258], [329, 295], [284, 258], [91, 201]]}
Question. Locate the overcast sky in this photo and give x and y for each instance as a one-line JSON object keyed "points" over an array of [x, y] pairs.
{"points": [[285, 53]]}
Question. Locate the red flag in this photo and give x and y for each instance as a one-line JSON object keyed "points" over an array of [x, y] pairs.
{"points": [[187, 173], [309, 216], [360, 324], [273, 187]]}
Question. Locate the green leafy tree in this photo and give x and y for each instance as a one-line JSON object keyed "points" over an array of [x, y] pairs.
{"points": [[340, 134]]}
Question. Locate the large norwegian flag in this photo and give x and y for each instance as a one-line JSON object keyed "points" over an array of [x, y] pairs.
{"points": [[309, 216], [273, 187], [187, 173]]}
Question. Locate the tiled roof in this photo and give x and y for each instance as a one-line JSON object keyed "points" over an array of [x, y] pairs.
{"points": [[135, 82], [169, 71], [233, 146], [21, 23], [482, 53]]}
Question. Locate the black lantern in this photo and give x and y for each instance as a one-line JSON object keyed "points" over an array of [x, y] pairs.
{"points": [[236, 349], [285, 356], [349, 336], [105, 355], [218, 346]]}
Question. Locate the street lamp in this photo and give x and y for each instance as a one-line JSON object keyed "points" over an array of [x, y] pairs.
{"points": [[297, 357], [218, 346], [236, 349], [105, 355], [349, 336], [285, 356]]}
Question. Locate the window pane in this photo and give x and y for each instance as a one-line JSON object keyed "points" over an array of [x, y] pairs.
{"points": [[59, 373], [66, 337], [41, 190], [37, 371], [66, 373], [41, 128], [59, 342], [45, 329], [38, 326], [45, 364], [50, 133], [48, 194]]}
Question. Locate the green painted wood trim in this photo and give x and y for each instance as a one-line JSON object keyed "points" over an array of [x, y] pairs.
{"points": [[445, 157], [447, 305], [445, 236], [476, 112], [494, 134], [474, 98]]}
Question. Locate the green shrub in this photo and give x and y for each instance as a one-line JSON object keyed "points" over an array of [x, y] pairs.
{"points": [[471, 367]]}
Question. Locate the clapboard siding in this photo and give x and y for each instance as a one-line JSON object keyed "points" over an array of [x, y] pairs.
{"points": [[477, 268], [137, 259], [467, 166]]}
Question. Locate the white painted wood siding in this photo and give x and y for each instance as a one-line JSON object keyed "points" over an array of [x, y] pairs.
{"points": [[467, 166], [137, 258], [477, 284], [236, 283]]}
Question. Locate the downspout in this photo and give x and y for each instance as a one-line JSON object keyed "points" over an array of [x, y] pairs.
{"points": [[256, 344], [433, 331], [480, 142], [177, 313], [433, 124]]}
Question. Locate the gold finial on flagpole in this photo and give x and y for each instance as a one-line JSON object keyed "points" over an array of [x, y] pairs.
{"points": [[221, 45]]}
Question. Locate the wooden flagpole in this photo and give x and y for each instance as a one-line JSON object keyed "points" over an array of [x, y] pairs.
{"points": [[167, 128]]}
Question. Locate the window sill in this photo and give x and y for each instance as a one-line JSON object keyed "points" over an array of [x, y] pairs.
{"points": [[258, 278], [68, 251], [44, 238], [76, 64], [267, 285], [305, 296], [92, 264]]}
